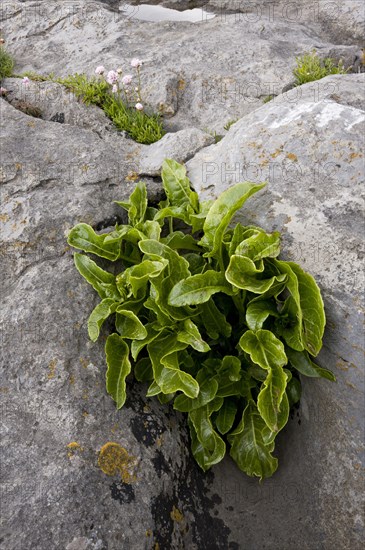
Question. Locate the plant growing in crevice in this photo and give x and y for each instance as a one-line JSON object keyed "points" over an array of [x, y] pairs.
{"points": [[209, 317], [230, 123], [217, 137], [310, 67], [120, 97], [6, 63]]}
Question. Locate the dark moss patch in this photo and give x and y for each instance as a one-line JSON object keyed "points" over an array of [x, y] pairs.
{"points": [[122, 492], [161, 510], [190, 495], [145, 430], [160, 463], [58, 117]]}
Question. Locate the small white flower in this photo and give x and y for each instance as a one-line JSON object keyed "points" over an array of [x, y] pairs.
{"points": [[135, 63], [112, 77], [100, 70], [115, 89], [136, 90], [26, 81], [119, 70], [139, 106]]}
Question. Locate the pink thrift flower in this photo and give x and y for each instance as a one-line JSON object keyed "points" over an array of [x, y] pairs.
{"points": [[100, 70], [127, 79], [135, 63], [139, 106], [26, 81], [112, 77], [3, 91]]}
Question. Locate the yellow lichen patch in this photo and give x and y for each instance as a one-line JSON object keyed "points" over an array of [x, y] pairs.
{"points": [[181, 85], [72, 379], [292, 156], [277, 153], [73, 448], [132, 176], [114, 459], [75, 445], [157, 546], [353, 156], [176, 515], [85, 414], [159, 441], [148, 533], [4, 217], [84, 362], [52, 369]]}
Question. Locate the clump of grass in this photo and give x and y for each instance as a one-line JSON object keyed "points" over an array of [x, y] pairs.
{"points": [[217, 137], [36, 77], [141, 126], [229, 124], [310, 68], [6, 63], [268, 98], [92, 91]]}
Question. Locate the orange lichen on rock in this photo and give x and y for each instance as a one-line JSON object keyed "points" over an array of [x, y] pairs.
{"points": [[292, 156], [132, 176], [113, 459], [74, 446], [52, 369], [176, 515]]}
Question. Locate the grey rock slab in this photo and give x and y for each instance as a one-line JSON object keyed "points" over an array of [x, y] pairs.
{"points": [[343, 22], [196, 74], [180, 146], [56, 104], [310, 151], [56, 417]]}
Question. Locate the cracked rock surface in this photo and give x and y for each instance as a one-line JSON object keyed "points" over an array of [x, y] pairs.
{"points": [[62, 162], [310, 152], [202, 74], [56, 417]]}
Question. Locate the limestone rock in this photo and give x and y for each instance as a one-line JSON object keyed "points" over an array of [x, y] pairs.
{"points": [[310, 151], [76, 472], [68, 166], [56, 104], [342, 22], [180, 146], [194, 80]]}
